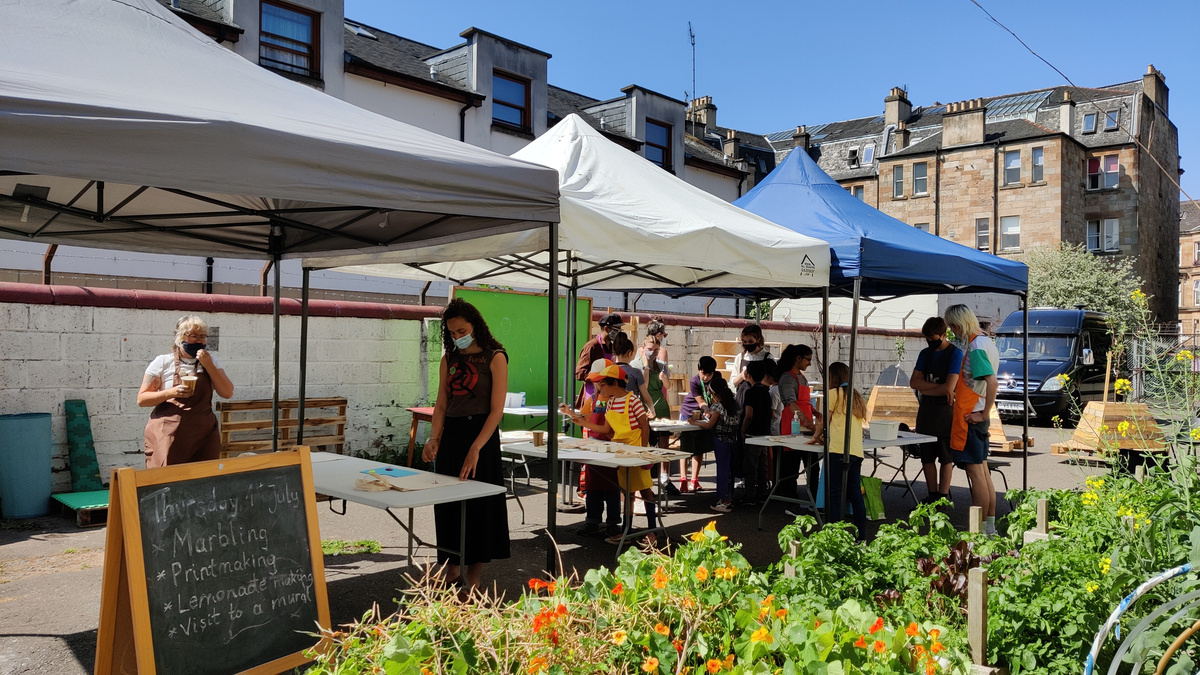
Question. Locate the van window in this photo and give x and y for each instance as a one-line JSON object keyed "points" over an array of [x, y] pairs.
{"points": [[1041, 347], [1101, 343]]}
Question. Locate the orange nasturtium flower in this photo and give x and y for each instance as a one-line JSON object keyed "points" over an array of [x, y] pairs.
{"points": [[617, 589], [661, 578], [781, 613], [861, 642], [650, 665], [662, 629], [877, 626], [537, 585], [713, 666], [936, 647], [728, 662], [678, 645], [767, 601], [538, 665], [930, 667], [702, 573], [762, 635], [934, 633], [879, 646], [919, 650], [912, 629], [618, 637]]}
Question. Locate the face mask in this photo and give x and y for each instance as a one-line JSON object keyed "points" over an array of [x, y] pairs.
{"points": [[464, 341], [934, 343], [192, 348], [750, 346]]}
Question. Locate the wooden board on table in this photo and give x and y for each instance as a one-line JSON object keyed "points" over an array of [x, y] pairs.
{"points": [[896, 404]]}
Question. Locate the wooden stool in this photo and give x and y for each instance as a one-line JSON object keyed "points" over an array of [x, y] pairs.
{"points": [[419, 415]]}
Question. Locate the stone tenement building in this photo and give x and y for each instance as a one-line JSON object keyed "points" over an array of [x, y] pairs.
{"points": [[1189, 266], [1009, 173]]}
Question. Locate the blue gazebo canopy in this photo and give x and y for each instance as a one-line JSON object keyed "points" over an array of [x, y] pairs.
{"points": [[892, 257]]}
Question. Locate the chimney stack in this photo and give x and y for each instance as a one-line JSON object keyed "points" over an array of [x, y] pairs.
{"points": [[896, 107], [733, 146], [1066, 114], [903, 136], [703, 113], [1154, 85], [962, 123], [801, 138]]}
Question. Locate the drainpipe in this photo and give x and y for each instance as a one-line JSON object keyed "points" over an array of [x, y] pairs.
{"points": [[462, 122], [994, 244], [740, 182], [47, 261], [937, 192], [208, 283]]}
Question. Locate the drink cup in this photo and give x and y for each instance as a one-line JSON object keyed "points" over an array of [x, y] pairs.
{"points": [[539, 437], [189, 381]]}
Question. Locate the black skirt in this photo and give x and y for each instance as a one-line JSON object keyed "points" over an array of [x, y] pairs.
{"points": [[487, 517]]}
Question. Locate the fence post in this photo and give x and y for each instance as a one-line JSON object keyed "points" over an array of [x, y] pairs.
{"points": [[789, 570], [1040, 531], [975, 520], [977, 615]]}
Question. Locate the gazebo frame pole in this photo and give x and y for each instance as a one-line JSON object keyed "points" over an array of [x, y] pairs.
{"points": [[276, 260], [825, 391], [303, 353], [1025, 386], [551, 408], [849, 404]]}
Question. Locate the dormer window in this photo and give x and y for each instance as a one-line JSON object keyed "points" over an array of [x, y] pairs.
{"points": [[868, 154], [658, 143], [1089, 123], [510, 101], [288, 39], [852, 157], [1110, 120]]}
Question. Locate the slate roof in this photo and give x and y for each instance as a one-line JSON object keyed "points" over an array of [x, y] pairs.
{"points": [[996, 132], [392, 52], [209, 10], [1189, 216]]}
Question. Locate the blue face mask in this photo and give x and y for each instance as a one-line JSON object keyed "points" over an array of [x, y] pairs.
{"points": [[464, 341], [192, 348]]}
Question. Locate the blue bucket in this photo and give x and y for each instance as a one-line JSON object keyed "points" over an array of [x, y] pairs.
{"points": [[25, 465]]}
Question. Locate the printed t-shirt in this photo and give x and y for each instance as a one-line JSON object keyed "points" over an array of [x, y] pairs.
{"points": [[982, 359], [728, 425]]}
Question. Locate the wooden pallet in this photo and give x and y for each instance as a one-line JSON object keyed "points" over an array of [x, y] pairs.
{"points": [[90, 507], [896, 404], [1100, 423], [246, 425], [998, 440]]}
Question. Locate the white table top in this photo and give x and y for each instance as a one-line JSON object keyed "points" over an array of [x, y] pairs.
{"points": [[592, 457], [531, 410], [800, 442], [334, 475], [673, 426]]}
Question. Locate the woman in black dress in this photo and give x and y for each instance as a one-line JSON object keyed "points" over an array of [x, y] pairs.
{"points": [[465, 440]]}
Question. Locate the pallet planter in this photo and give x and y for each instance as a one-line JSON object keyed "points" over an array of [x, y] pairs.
{"points": [[1098, 434], [246, 425], [895, 404]]}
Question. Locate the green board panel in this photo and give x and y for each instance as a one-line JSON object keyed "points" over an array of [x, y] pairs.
{"points": [[519, 321]]}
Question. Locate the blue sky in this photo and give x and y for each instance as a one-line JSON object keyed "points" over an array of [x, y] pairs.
{"points": [[774, 65]]}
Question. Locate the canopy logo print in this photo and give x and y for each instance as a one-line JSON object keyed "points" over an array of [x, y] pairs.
{"points": [[807, 267]]}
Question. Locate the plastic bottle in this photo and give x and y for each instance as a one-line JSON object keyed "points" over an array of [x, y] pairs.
{"points": [[795, 425]]}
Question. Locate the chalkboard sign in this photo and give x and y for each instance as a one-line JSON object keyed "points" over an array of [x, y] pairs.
{"points": [[222, 566]]}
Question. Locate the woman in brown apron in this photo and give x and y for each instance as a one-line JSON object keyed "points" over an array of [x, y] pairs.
{"points": [[179, 386]]}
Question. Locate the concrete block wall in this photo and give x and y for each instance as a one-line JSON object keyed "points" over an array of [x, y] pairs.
{"points": [[53, 352]]}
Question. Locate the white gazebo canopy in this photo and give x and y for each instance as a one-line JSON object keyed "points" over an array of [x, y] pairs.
{"points": [[628, 225], [122, 127]]}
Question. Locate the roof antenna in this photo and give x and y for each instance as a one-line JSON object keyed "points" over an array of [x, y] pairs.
{"points": [[692, 39]]}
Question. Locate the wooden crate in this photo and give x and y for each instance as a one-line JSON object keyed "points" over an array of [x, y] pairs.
{"points": [[724, 351], [896, 404], [246, 425], [1100, 424]]}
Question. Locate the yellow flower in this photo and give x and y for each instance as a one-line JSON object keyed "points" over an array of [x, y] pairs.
{"points": [[1195, 434], [618, 638], [762, 635], [1092, 586], [1123, 428], [1185, 355], [702, 573], [1123, 386], [698, 536], [1104, 428], [1137, 295], [1063, 379], [1105, 564], [711, 526]]}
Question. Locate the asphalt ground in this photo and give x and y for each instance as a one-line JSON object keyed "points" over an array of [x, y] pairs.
{"points": [[51, 571]]}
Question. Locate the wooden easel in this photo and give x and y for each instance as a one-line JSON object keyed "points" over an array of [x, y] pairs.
{"points": [[125, 638]]}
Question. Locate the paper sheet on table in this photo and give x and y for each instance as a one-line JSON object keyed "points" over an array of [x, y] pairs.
{"points": [[420, 481]]}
